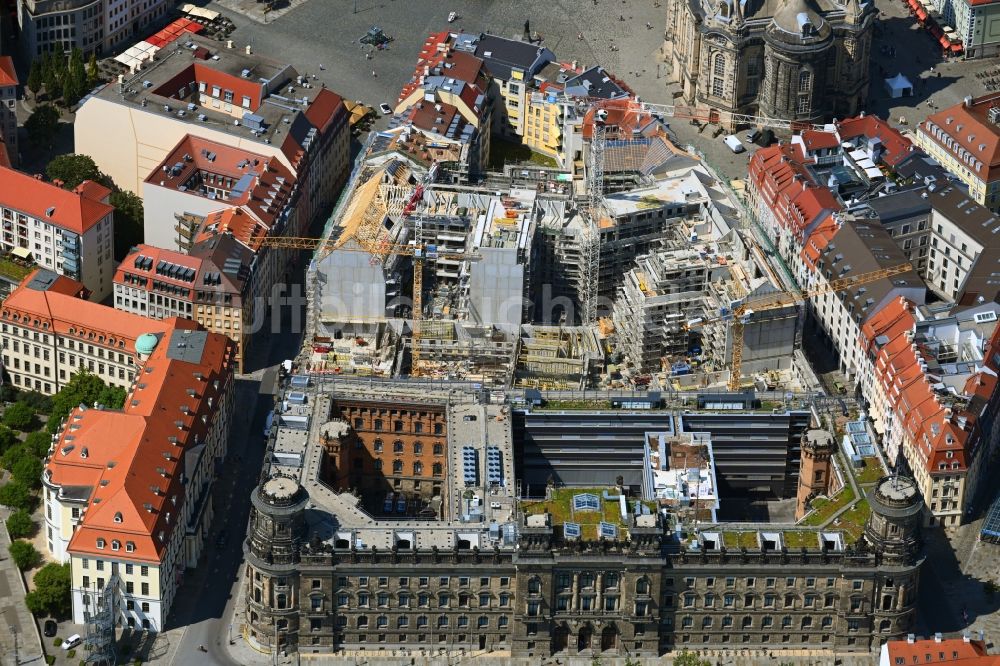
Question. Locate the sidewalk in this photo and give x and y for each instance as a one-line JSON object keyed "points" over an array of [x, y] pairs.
{"points": [[20, 642]]}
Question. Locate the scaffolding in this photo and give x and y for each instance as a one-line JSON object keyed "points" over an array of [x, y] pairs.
{"points": [[591, 245], [99, 641]]}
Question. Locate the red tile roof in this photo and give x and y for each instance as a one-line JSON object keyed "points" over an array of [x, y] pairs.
{"points": [[957, 650], [969, 128], [60, 310], [787, 189], [32, 196], [134, 462], [816, 140], [897, 147], [8, 75], [142, 267]]}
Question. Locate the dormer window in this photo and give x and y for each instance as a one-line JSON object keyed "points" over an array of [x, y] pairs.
{"points": [[129, 546], [118, 517], [100, 544], [116, 545]]}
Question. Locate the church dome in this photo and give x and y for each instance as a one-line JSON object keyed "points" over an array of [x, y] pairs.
{"points": [[797, 17]]}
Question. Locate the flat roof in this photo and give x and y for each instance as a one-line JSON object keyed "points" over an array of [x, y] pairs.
{"points": [[284, 97]]}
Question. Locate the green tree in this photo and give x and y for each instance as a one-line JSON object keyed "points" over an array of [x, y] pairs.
{"points": [[8, 438], [41, 403], [16, 495], [35, 79], [128, 221], [50, 74], [20, 416], [73, 169], [12, 455], [38, 443], [93, 73], [51, 595], [20, 524], [28, 470], [77, 73], [686, 658], [43, 125], [24, 555], [83, 388]]}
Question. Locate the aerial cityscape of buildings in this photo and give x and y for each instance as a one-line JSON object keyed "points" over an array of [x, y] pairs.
{"points": [[536, 360]]}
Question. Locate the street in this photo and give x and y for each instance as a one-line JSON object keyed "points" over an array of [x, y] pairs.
{"points": [[204, 613]]}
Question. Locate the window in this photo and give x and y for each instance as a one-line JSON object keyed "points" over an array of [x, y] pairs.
{"points": [[805, 82], [718, 74], [246, 102]]}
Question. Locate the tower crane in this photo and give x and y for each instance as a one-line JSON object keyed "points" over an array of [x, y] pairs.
{"points": [[742, 313], [706, 115]]}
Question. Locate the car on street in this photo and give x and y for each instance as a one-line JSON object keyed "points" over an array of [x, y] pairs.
{"points": [[72, 642], [452, 16], [385, 109], [50, 628]]}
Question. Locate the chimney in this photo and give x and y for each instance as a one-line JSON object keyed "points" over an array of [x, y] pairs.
{"points": [[910, 638]]}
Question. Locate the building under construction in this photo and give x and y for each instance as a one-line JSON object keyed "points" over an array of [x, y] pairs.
{"points": [[681, 283]]}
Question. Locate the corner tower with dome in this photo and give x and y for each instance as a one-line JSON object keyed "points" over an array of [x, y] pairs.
{"points": [[799, 60]]}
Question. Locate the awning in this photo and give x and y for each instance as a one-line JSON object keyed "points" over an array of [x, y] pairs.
{"points": [[936, 31], [912, 4], [945, 44], [22, 252], [921, 14], [956, 48]]}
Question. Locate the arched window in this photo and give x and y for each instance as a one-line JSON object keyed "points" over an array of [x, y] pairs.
{"points": [[418, 468], [534, 586], [397, 466], [397, 446], [805, 81], [378, 465], [642, 586], [718, 75], [436, 469]]}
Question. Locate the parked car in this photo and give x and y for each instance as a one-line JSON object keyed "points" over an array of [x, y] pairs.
{"points": [[72, 642], [734, 143], [452, 16], [50, 628], [385, 109]]}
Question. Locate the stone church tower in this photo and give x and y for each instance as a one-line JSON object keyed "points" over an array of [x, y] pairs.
{"points": [[798, 60], [815, 470]]}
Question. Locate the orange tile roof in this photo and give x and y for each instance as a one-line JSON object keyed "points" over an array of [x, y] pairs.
{"points": [[129, 464], [133, 272], [969, 128], [60, 310], [238, 223], [933, 429], [35, 197], [268, 183], [8, 75], [966, 653], [786, 188]]}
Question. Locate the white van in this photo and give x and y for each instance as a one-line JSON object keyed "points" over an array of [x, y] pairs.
{"points": [[734, 143]]}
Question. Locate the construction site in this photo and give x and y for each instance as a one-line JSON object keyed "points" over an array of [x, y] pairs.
{"points": [[624, 268]]}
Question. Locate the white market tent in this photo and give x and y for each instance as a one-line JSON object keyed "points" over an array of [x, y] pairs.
{"points": [[137, 54], [899, 86], [208, 14]]}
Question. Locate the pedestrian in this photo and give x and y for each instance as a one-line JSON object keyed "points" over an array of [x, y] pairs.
{"points": [[321, 68], [374, 75]]}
